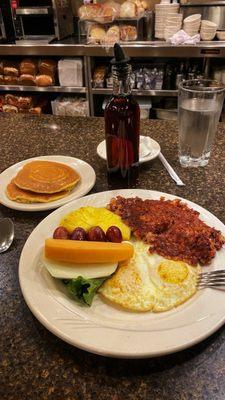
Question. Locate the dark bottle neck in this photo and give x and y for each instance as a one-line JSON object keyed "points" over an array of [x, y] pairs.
{"points": [[121, 81]]}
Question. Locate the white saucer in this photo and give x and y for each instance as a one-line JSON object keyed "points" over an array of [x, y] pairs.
{"points": [[86, 183], [149, 149]]}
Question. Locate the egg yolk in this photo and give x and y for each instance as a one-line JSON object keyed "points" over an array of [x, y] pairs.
{"points": [[173, 272]]}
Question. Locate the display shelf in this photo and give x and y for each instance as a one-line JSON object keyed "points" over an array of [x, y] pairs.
{"points": [[137, 92], [49, 89], [71, 48]]}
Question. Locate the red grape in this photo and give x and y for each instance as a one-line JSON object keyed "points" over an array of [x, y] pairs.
{"points": [[61, 233], [114, 234], [96, 234], [78, 234]]}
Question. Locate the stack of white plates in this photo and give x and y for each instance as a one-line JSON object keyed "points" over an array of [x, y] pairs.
{"points": [[192, 24], [173, 24], [208, 30], [161, 12]]}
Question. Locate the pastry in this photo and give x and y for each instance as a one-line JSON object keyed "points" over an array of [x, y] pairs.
{"points": [[90, 11], [20, 102], [128, 32], [96, 33], [10, 109], [35, 110], [28, 66], [140, 6], [48, 67], [10, 80], [27, 80], [1, 68], [128, 10], [2, 80], [11, 71], [99, 77], [11, 99], [24, 102], [112, 36], [44, 80]]}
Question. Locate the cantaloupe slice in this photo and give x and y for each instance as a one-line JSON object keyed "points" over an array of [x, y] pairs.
{"points": [[83, 252]]}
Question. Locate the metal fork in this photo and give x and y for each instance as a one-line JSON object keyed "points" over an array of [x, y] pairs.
{"points": [[213, 279]]}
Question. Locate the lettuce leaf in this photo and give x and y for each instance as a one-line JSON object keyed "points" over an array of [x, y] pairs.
{"points": [[84, 290]]}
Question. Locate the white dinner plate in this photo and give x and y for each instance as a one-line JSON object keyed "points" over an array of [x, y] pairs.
{"points": [[86, 183], [107, 330], [149, 149]]}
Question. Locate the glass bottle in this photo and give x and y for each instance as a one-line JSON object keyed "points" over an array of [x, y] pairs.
{"points": [[122, 127]]}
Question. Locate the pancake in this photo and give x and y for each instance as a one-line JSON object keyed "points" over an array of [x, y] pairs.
{"points": [[46, 177], [24, 196]]}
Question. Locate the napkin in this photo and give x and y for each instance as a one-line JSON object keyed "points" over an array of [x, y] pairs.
{"points": [[181, 37], [145, 146]]}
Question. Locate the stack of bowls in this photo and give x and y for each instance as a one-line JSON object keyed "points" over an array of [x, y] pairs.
{"points": [[192, 24], [161, 12], [208, 30], [220, 35], [173, 24]]}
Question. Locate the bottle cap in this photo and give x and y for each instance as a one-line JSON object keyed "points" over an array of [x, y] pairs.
{"points": [[119, 56]]}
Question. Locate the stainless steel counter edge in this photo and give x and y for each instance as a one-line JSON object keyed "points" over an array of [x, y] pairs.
{"points": [[134, 49]]}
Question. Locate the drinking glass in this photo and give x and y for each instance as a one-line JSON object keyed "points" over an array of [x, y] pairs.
{"points": [[200, 104]]}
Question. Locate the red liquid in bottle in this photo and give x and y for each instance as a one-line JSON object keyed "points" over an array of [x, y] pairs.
{"points": [[122, 128]]}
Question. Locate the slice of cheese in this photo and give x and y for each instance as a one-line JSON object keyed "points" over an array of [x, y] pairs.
{"points": [[84, 252], [63, 270]]}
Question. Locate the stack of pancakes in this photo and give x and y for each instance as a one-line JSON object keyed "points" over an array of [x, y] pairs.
{"points": [[42, 182]]}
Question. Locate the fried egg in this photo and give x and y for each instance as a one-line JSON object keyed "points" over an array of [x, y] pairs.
{"points": [[150, 282]]}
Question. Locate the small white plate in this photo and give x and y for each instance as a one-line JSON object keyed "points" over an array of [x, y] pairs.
{"points": [[86, 183], [149, 149], [103, 328]]}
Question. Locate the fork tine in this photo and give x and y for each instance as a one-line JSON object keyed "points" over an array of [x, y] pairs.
{"points": [[218, 272], [212, 285], [212, 280], [208, 278]]}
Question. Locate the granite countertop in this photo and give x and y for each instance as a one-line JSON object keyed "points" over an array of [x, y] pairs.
{"points": [[34, 364]]}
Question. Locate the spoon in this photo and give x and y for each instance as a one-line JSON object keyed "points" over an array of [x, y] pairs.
{"points": [[6, 234]]}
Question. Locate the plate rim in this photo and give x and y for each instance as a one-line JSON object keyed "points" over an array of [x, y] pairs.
{"points": [[142, 160], [90, 348], [44, 206]]}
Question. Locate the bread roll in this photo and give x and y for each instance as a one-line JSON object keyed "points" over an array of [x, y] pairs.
{"points": [[35, 110], [44, 80], [11, 99], [112, 36], [10, 109], [23, 110], [99, 77], [11, 71], [140, 6], [27, 80], [128, 10], [48, 67], [24, 102], [10, 80], [1, 68], [96, 33], [90, 11], [28, 67], [128, 32]]}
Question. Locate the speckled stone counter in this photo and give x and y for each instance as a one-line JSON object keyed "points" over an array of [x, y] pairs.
{"points": [[36, 365]]}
